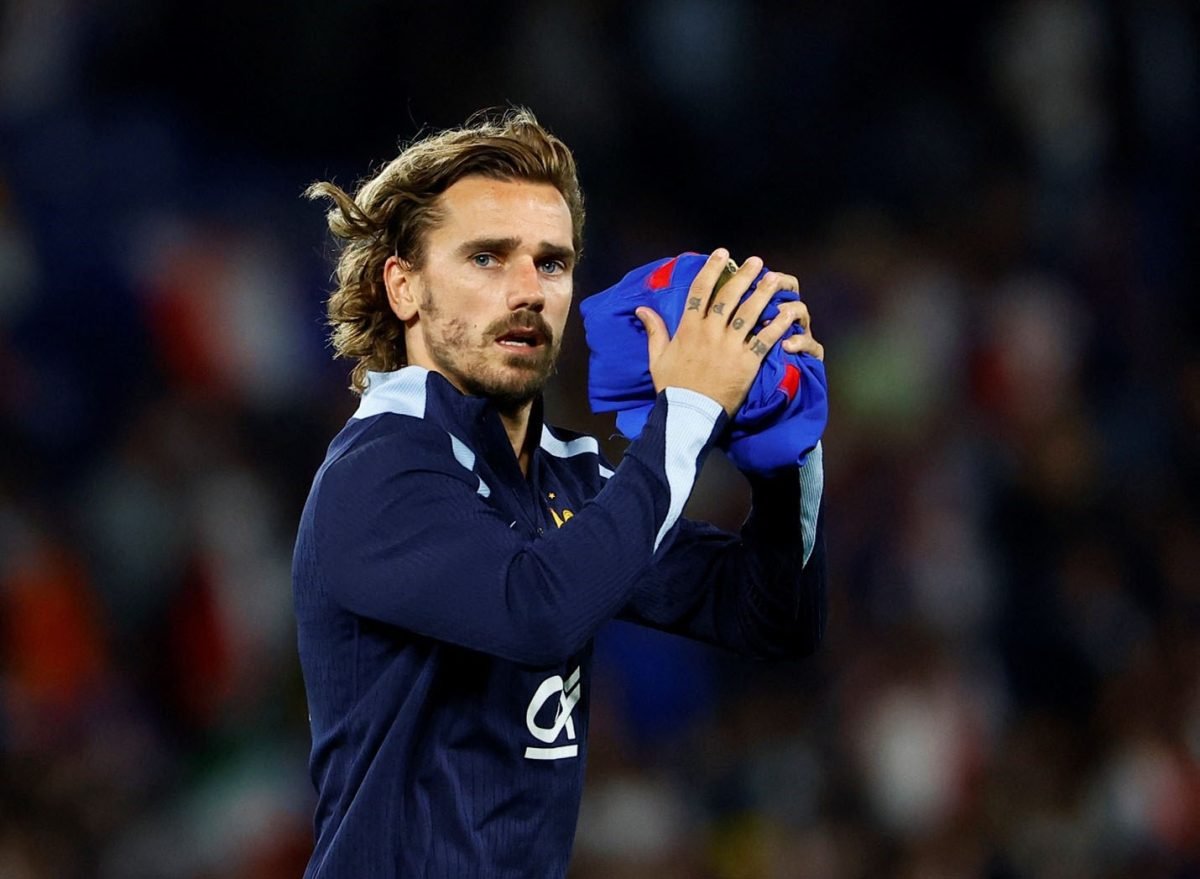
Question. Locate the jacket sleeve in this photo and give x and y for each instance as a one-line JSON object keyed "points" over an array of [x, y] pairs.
{"points": [[762, 592], [401, 534]]}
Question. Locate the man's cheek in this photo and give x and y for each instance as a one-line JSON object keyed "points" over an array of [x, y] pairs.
{"points": [[456, 332]]}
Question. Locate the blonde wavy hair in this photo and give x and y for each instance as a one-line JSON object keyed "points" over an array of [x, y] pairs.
{"points": [[391, 212]]}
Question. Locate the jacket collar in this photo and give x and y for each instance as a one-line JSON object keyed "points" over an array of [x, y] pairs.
{"points": [[423, 393]]}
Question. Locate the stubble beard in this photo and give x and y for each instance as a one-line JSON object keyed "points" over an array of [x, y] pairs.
{"points": [[471, 364]]}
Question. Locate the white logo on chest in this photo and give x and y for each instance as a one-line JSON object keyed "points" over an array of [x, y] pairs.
{"points": [[568, 694]]}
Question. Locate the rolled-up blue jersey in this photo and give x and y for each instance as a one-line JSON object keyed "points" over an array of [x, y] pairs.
{"points": [[785, 411]]}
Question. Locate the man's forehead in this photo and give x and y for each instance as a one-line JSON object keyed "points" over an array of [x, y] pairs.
{"points": [[507, 208]]}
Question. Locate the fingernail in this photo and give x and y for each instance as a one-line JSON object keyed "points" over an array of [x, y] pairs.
{"points": [[720, 253]]}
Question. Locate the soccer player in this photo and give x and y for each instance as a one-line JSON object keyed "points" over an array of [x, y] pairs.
{"points": [[457, 554]]}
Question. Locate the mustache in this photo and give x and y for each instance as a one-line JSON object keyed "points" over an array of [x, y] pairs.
{"points": [[521, 320]]}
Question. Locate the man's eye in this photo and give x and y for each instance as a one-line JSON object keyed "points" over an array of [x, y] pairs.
{"points": [[483, 260], [553, 266]]}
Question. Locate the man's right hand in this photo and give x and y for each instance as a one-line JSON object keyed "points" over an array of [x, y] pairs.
{"points": [[713, 351]]}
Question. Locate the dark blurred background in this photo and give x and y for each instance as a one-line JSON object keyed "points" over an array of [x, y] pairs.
{"points": [[992, 209]]}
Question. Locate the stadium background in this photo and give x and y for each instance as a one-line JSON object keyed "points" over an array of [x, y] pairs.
{"points": [[991, 207]]}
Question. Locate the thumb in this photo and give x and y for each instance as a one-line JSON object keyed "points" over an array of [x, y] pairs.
{"points": [[656, 331]]}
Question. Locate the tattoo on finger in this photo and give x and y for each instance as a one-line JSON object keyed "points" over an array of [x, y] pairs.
{"points": [[738, 323], [694, 304], [718, 308], [759, 348]]}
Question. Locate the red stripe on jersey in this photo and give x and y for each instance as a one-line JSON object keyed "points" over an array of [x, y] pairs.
{"points": [[661, 276], [790, 383]]}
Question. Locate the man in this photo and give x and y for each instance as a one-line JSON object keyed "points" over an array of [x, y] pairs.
{"points": [[445, 619]]}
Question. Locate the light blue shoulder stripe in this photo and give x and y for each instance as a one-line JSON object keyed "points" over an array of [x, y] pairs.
{"points": [[812, 484], [570, 448], [403, 393], [466, 457]]}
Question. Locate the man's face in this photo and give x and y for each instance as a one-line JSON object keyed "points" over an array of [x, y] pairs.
{"points": [[488, 306]]}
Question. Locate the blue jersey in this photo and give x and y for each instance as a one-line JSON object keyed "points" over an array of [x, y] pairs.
{"points": [[446, 606], [786, 407]]}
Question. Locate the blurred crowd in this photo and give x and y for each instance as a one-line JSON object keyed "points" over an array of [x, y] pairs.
{"points": [[992, 211]]}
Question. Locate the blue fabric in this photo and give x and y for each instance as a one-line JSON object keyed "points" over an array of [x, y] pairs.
{"points": [[786, 409]]}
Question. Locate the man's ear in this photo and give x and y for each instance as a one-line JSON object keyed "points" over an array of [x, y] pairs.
{"points": [[400, 284]]}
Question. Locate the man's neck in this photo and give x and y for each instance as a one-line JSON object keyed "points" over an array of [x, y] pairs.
{"points": [[515, 418], [516, 425]]}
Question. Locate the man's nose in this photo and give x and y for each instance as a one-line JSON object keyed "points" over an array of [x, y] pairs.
{"points": [[525, 286]]}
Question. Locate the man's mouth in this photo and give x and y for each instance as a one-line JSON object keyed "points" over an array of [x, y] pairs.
{"points": [[521, 339]]}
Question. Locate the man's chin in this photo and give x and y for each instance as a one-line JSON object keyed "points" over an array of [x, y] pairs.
{"points": [[542, 358], [514, 390], [510, 381]]}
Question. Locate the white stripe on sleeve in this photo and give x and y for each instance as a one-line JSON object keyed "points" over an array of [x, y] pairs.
{"points": [[812, 483], [690, 420]]}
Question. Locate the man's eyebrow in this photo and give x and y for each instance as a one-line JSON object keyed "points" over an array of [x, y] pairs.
{"points": [[557, 251], [489, 245], [502, 246]]}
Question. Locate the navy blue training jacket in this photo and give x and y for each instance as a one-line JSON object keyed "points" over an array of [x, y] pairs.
{"points": [[446, 606]]}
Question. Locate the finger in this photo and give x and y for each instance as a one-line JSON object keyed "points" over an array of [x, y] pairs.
{"points": [[656, 331], [775, 329], [760, 343], [795, 312], [804, 344], [726, 300], [747, 314], [701, 289], [789, 282]]}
